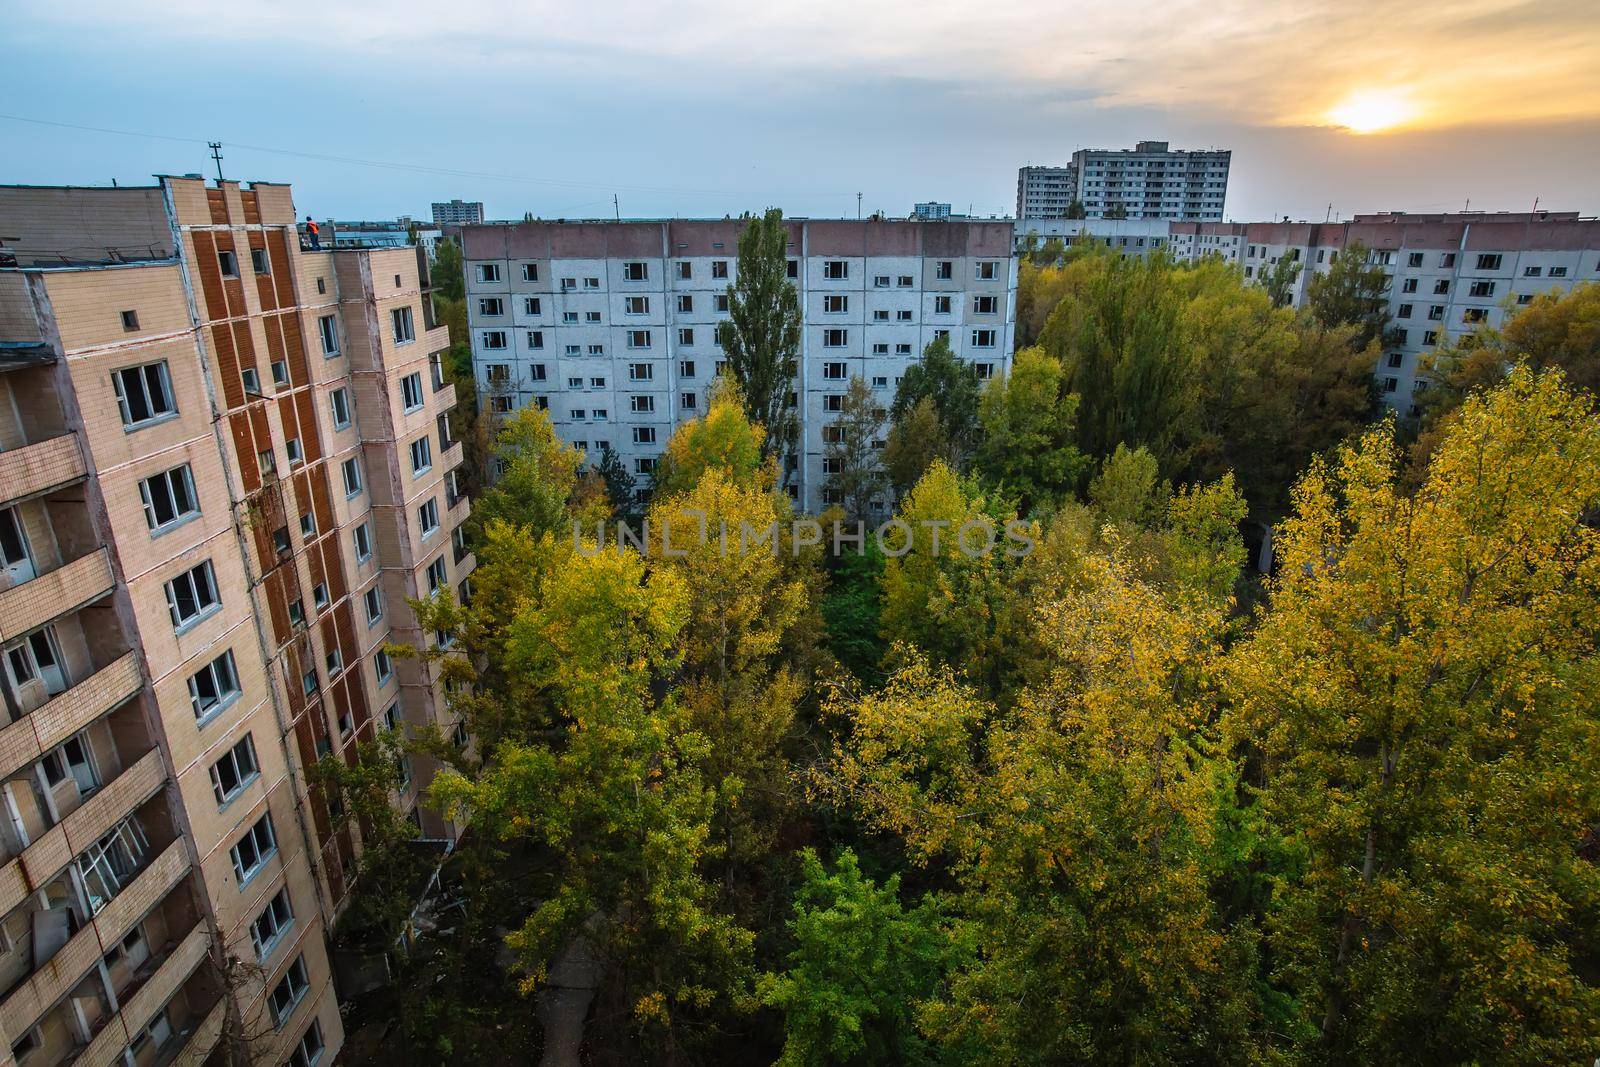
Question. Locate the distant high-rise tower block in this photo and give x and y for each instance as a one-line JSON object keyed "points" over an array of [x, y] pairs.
{"points": [[457, 212]]}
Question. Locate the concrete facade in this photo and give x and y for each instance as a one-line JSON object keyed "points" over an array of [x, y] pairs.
{"points": [[1149, 181], [210, 522], [611, 326]]}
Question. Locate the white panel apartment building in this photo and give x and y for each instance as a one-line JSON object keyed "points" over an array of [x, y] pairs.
{"points": [[611, 326], [1449, 272], [1149, 181]]}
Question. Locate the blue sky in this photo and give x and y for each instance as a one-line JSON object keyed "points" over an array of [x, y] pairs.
{"points": [[707, 107]]}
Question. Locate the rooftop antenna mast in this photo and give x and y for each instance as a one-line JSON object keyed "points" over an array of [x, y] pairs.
{"points": [[858, 205], [616, 206], [216, 154]]}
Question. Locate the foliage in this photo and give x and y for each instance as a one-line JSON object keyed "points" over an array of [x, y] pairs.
{"points": [[861, 964], [724, 438], [915, 441], [852, 611], [538, 473], [951, 384], [1279, 281], [1353, 291], [761, 336], [859, 477], [1420, 699], [1028, 446]]}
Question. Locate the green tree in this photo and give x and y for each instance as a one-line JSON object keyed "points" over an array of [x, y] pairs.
{"points": [[952, 384], [1279, 281], [761, 336], [858, 477], [861, 965], [1116, 211], [1419, 704], [1075, 209], [1029, 433], [724, 437], [538, 473], [619, 485], [1353, 291], [916, 439]]}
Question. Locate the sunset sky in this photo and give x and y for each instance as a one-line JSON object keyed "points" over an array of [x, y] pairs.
{"points": [[705, 107]]}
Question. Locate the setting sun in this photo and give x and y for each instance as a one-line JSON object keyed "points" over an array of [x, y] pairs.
{"points": [[1372, 110]]}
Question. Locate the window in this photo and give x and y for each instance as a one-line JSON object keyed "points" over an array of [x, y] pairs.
{"points": [[251, 381], [252, 851], [687, 401], [270, 926], [308, 526], [686, 368], [1396, 359], [835, 338], [1414, 259], [941, 305], [833, 402], [1403, 311], [421, 455], [636, 271], [428, 517], [985, 305], [835, 370], [944, 269], [1409, 285], [880, 381], [130, 320], [597, 383], [641, 372], [880, 281], [983, 338], [792, 268], [880, 348], [168, 498], [1436, 312], [362, 536], [309, 1050], [1532, 272], [234, 771], [905, 281], [335, 661], [144, 394], [644, 435], [638, 338], [1430, 337], [404, 331], [319, 595], [719, 268], [437, 578], [835, 304], [685, 271], [1489, 261], [373, 601], [643, 403], [494, 340], [988, 270], [720, 303], [1441, 287], [535, 338], [591, 283], [411, 391], [1474, 314], [383, 665], [685, 304], [644, 465], [902, 350], [280, 372], [192, 595], [1447, 259], [488, 272], [339, 402], [1391, 384], [903, 315], [491, 306], [1558, 272], [568, 284], [636, 305], [836, 269], [1482, 289], [297, 612], [351, 470], [686, 338], [228, 264], [290, 989]]}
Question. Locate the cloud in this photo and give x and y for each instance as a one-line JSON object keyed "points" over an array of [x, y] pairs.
{"points": [[1246, 61]]}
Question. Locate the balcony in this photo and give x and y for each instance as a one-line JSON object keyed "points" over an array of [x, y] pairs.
{"points": [[159, 981], [39, 468], [201, 1040], [55, 848], [34, 734], [55, 593], [61, 972]]}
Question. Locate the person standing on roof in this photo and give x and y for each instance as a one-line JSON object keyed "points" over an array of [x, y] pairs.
{"points": [[311, 232]]}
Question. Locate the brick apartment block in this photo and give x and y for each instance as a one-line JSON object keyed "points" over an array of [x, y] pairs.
{"points": [[225, 464]]}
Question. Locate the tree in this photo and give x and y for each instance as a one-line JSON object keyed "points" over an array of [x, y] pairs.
{"points": [[538, 472], [861, 965], [1075, 209], [1128, 491], [1029, 440], [725, 438], [1279, 281], [761, 336], [851, 451], [618, 482], [1418, 703], [1119, 334], [915, 441], [1353, 291], [951, 383], [1116, 211]]}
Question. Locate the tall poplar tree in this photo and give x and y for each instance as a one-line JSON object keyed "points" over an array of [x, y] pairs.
{"points": [[761, 335]]}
